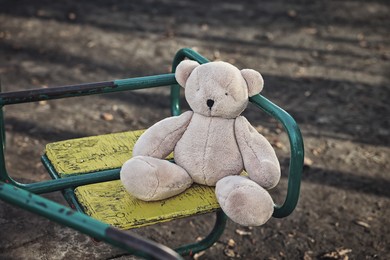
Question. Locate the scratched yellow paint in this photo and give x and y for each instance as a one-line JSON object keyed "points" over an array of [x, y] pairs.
{"points": [[108, 201], [90, 154]]}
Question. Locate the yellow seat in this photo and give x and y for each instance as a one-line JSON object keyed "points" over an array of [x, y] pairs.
{"points": [[109, 201], [91, 154]]}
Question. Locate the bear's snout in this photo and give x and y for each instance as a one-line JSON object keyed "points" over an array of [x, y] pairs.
{"points": [[210, 103]]}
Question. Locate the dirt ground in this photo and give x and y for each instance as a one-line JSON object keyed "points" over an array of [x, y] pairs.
{"points": [[325, 62]]}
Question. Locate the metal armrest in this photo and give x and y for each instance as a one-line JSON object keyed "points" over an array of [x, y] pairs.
{"points": [[296, 153]]}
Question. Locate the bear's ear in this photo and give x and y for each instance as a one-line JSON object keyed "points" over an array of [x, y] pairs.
{"points": [[183, 71], [254, 81]]}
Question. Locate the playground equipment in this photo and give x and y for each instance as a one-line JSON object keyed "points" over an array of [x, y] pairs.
{"points": [[86, 170]]}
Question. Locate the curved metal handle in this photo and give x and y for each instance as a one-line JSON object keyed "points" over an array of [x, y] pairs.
{"points": [[289, 124], [175, 89], [296, 153]]}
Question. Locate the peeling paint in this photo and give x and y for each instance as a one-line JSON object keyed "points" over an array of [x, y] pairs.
{"points": [[42, 204], [70, 212]]}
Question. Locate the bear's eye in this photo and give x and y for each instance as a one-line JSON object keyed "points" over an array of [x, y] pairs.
{"points": [[226, 94]]}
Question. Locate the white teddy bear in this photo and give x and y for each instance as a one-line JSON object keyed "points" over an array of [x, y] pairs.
{"points": [[212, 145]]}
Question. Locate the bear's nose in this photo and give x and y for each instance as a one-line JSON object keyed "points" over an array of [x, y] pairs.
{"points": [[210, 103]]}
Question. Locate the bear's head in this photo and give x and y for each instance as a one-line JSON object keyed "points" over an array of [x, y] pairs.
{"points": [[217, 89]]}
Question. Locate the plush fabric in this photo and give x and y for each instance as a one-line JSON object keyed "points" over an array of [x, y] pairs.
{"points": [[213, 153], [244, 201], [212, 145], [160, 140], [164, 179]]}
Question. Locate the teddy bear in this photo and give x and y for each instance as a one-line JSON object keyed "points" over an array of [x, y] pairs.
{"points": [[212, 145]]}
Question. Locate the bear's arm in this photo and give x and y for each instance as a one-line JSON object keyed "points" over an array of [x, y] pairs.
{"points": [[160, 139], [260, 161]]}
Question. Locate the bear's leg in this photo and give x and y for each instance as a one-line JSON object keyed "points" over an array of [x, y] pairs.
{"points": [[151, 179], [244, 201]]}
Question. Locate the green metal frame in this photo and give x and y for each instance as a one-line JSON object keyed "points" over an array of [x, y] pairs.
{"points": [[12, 193]]}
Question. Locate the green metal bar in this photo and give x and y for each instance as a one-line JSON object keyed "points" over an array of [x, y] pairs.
{"points": [[3, 171], [145, 82], [1, 121], [2, 130], [34, 95], [190, 54], [175, 100], [209, 240], [296, 153], [84, 223], [67, 182], [67, 193], [70, 197], [71, 181]]}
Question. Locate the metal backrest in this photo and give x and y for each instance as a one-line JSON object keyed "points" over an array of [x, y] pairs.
{"points": [[289, 124]]}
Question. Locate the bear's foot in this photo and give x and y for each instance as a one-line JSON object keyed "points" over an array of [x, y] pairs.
{"points": [[151, 179], [244, 201]]}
